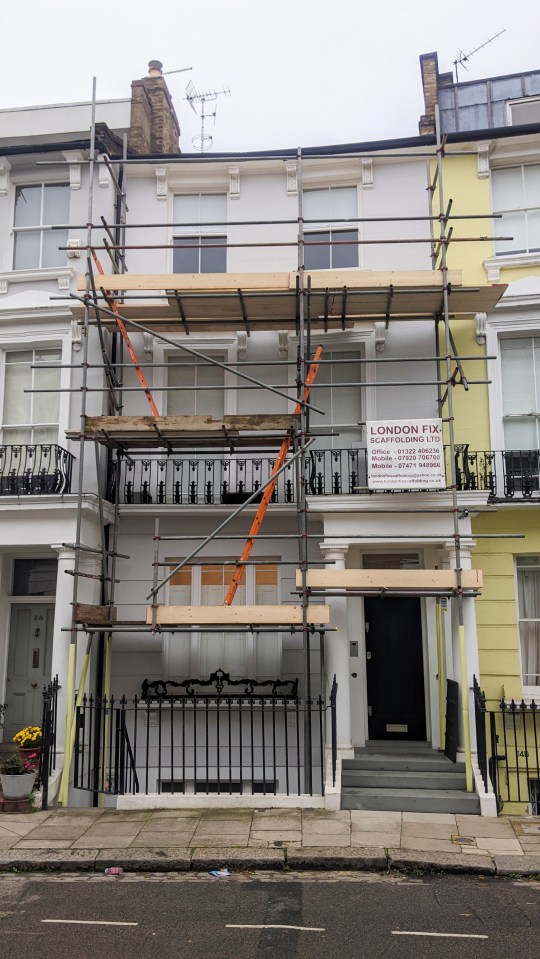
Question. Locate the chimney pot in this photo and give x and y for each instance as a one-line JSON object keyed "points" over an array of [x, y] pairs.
{"points": [[155, 68]]}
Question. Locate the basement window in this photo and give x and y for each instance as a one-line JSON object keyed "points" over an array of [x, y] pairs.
{"points": [[534, 797]]}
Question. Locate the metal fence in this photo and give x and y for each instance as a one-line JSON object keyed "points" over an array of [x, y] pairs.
{"points": [[508, 750], [49, 719], [35, 470], [227, 743]]}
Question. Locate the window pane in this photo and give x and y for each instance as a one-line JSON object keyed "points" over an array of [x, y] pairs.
{"points": [[527, 560], [28, 206], [345, 255], [520, 434], [51, 255], [34, 577], [210, 401], [17, 437], [512, 225], [186, 260], [507, 188], [186, 209], [343, 202], [181, 403], [46, 405], [533, 231], [316, 205], [17, 403], [213, 259], [317, 257], [26, 251], [55, 203], [518, 375], [532, 185], [213, 208], [46, 435]]}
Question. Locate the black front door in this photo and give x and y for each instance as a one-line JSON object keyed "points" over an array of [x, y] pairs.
{"points": [[395, 670]]}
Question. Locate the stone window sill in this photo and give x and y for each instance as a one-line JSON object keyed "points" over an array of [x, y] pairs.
{"points": [[494, 264]]}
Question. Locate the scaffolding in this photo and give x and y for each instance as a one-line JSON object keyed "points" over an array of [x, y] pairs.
{"points": [[170, 307]]}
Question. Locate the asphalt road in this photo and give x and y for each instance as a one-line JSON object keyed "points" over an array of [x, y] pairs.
{"points": [[263, 916]]}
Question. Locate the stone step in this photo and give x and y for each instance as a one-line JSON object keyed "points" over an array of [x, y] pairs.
{"points": [[402, 744], [431, 762], [411, 800], [407, 779]]}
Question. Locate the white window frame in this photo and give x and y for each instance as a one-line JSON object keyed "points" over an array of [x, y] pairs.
{"points": [[204, 231], [41, 228], [517, 101], [498, 328], [192, 662], [529, 691], [46, 340], [327, 226], [223, 348], [509, 254]]}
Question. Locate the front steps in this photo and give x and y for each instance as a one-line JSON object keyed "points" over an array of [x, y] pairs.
{"points": [[405, 777]]}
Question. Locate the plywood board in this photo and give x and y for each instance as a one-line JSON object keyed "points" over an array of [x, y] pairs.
{"points": [[390, 578], [237, 615], [320, 279]]}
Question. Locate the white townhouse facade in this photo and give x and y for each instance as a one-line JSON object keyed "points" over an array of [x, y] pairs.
{"points": [[224, 317]]}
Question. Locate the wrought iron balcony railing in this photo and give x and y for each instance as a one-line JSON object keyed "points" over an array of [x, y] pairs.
{"points": [[213, 480], [38, 470]]}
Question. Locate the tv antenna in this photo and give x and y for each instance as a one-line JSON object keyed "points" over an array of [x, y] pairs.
{"points": [[463, 58], [198, 100]]}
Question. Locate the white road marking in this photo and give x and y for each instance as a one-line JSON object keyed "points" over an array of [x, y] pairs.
{"points": [[231, 925], [90, 922], [445, 935]]}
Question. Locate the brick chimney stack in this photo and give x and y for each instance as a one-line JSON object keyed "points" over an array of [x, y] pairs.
{"points": [[154, 126], [432, 81]]}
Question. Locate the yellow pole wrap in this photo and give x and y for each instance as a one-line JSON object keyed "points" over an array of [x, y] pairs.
{"points": [[70, 737], [106, 694], [63, 794], [465, 708], [441, 672]]}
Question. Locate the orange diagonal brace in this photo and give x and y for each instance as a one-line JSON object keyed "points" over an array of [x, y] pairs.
{"points": [[125, 336], [267, 495]]}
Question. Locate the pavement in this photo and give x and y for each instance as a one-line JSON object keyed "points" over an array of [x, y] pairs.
{"points": [[192, 839]]}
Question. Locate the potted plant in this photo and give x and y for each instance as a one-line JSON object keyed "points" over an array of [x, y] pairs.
{"points": [[18, 776], [28, 740]]}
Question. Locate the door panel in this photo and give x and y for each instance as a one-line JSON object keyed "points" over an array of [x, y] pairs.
{"points": [[29, 665], [394, 667]]}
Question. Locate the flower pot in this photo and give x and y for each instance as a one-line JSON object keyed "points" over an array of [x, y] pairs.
{"points": [[17, 787], [26, 751]]}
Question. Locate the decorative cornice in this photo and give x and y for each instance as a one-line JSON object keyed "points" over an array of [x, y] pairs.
{"points": [[234, 182], [367, 174], [480, 328], [380, 335], [494, 264], [5, 167], [63, 275], [76, 336], [292, 179], [483, 166], [161, 183], [242, 344]]}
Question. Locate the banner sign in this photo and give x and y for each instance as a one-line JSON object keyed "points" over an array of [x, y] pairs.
{"points": [[405, 454]]}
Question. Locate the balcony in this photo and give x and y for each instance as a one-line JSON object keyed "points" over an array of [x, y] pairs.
{"points": [[203, 480], [40, 470]]}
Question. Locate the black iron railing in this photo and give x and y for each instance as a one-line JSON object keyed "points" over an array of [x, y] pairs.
{"points": [[508, 748], [230, 479], [234, 742], [35, 470], [49, 719]]}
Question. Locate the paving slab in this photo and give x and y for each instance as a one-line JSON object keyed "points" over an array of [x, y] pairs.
{"points": [[152, 839], [372, 858], [375, 838], [159, 859], [176, 813], [328, 827], [444, 818], [343, 815], [43, 844], [236, 859], [327, 840], [274, 835], [409, 861], [41, 860], [284, 822], [426, 830], [427, 845], [483, 827], [502, 846], [379, 815], [513, 865]]}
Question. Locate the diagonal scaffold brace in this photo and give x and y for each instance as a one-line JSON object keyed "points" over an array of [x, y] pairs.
{"points": [[125, 336], [267, 495]]}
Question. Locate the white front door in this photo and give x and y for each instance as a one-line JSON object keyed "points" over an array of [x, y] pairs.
{"points": [[29, 665]]}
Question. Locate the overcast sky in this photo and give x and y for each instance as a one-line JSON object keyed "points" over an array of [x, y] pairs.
{"points": [[300, 73]]}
